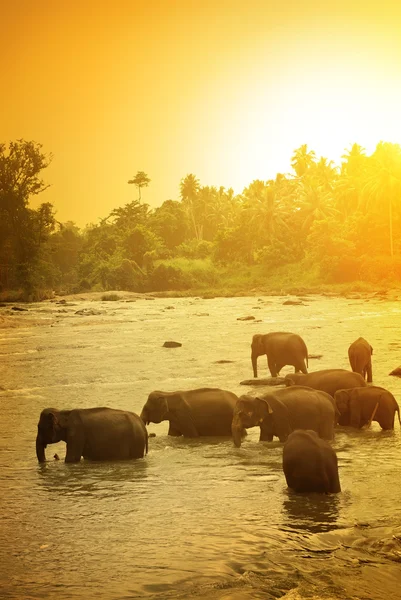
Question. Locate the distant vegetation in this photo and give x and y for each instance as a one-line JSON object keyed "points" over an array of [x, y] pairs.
{"points": [[320, 224]]}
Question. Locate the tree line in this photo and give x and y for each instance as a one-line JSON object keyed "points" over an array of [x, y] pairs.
{"points": [[341, 221]]}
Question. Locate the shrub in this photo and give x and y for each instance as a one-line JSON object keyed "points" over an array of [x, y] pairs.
{"points": [[110, 297], [195, 249], [380, 268]]}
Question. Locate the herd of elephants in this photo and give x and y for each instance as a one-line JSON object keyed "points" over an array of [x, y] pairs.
{"points": [[303, 414]]}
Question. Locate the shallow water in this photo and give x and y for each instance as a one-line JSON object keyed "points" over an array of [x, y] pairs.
{"points": [[195, 518]]}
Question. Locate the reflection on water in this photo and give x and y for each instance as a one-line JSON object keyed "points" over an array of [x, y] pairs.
{"points": [[313, 513], [195, 518]]}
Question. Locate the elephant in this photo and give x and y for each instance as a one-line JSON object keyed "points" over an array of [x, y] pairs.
{"points": [[192, 413], [310, 463], [281, 411], [360, 358], [357, 406], [94, 433], [326, 380], [281, 348]]}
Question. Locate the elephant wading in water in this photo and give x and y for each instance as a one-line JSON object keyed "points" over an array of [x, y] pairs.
{"points": [[357, 406], [326, 380], [281, 348], [360, 358], [310, 463], [192, 413], [281, 411], [94, 433]]}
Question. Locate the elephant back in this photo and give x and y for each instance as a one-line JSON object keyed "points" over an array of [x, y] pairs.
{"points": [[308, 408]]}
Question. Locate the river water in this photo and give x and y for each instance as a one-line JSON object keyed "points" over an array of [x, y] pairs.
{"points": [[195, 518]]}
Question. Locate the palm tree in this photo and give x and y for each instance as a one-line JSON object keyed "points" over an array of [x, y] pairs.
{"points": [[265, 209], [302, 160], [326, 172], [348, 187], [315, 202], [140, 180], [189, 189], [383, 185]]}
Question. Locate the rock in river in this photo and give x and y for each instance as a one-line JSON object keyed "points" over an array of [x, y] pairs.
{"points": [[172, 344], [264, 381]]}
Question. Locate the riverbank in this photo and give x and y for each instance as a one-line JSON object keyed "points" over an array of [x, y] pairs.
{"points": [[355, 290]]}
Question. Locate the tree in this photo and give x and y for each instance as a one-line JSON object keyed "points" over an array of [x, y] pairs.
{"points": [[169, 221], [132, 214], [189, 188], [140, 180], [383, 184], [302, 160], [22, 229]]}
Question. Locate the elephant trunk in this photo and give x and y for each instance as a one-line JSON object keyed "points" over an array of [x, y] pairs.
{"points": [[255, 364], [236, 430], [144, 417], [40, 449]]}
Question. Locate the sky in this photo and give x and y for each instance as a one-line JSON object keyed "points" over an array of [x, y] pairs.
{"points": [[223, 89]]}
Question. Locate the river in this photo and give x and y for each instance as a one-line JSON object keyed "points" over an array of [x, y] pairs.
{"points": [[195, 518]]}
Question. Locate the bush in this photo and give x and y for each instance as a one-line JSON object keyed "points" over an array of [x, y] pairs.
{"points": [[195, 249], [110, 297], [183, 274], [166, 277], [380, 268]]}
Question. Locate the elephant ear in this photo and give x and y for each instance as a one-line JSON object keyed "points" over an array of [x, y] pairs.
{"points": [[342, 400], [48, 419], [280, 416], [158, 401], [257, 342], [182, 415], [371, 350], [264, 408], [355, 410]]}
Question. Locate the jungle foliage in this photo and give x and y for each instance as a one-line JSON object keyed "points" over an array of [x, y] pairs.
{"points": [[340, 223]]}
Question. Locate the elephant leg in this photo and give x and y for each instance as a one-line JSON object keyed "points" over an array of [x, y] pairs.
{"points": [[75, 446], [266, 435], [272, 367], [326, 430], [303, 368], [174, 431]]}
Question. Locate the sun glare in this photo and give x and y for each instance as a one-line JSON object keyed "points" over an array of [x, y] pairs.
{"points": [[328, 110]]}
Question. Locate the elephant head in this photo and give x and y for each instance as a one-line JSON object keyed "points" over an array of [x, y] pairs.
{"points": [[50, 431], [248, 412], [342, 399], [156, 408], [257, 349]]}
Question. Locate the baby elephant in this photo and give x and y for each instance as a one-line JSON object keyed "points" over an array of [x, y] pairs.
{"points": [[360, 358], [360, 406], [310, 463]]}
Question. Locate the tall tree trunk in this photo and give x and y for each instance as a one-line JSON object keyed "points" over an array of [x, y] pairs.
{"points": [[391, 225]]}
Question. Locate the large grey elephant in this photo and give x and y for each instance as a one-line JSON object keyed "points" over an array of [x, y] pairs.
{"points": [[94, 433], [281, 411], [310, 463], [326, 380], [281, 348], [192, 413], [360, 358], [358, 405]]}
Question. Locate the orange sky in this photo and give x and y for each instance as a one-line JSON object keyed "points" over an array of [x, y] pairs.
{"points": [[224, 89]]}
